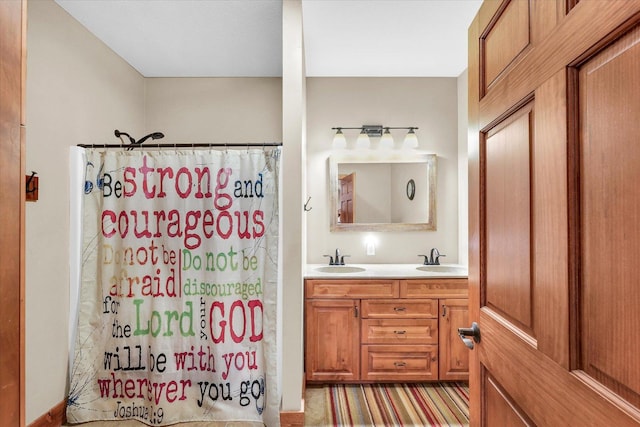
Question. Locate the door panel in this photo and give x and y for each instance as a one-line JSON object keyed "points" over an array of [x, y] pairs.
{"points": [[554, 216], [505, 39], [501, 410], [609, 89], [508, 245]]}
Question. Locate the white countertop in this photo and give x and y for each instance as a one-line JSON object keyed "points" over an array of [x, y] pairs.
{"points": [[371, 271]]}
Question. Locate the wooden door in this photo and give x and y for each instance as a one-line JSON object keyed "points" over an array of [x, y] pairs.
{"points": [[332, 340], [12, 203], [454, 355], [554, 211], [347, 196]]}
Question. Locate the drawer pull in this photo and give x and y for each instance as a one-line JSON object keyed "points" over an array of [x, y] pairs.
{"points": [[399, 308], [399, 364], [400, 332]]}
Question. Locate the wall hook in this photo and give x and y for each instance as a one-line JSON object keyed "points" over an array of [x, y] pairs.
{"points": [[31, 187], [31, 184], [306, 208]]}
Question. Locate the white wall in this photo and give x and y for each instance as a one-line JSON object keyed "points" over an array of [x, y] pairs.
{"points": [[429, 103], [226, 110], [78, 92]]}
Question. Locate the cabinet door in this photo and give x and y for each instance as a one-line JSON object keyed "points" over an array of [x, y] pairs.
{"points": [[454, 356], [332, 346]]}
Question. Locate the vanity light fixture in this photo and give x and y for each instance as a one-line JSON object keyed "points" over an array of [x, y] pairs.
{"points": [[367, 131]]}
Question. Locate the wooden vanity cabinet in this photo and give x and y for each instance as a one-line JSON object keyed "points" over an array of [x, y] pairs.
{"points": [[332, 337], [454, 355], [332, 325], [385, 330]]}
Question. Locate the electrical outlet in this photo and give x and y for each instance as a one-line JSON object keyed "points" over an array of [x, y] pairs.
{"points": [[371, 249]]}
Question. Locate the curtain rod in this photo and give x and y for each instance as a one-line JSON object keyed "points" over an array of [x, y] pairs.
{"points": [[183, 145]]}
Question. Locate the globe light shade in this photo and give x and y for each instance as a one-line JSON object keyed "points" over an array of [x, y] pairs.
{"points": [[410, 141], [363, 141], [339, 141], [386, 142]]}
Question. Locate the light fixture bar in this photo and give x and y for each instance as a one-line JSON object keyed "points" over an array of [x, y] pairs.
{"points": [[375, 130]]}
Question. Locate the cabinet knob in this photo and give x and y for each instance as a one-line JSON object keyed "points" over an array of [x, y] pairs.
{"points": [[400, 332], [399, 308], [399, 364]]}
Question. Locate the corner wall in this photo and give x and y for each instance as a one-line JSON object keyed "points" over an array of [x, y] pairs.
{"points": [[293, 222], [78, 92]]}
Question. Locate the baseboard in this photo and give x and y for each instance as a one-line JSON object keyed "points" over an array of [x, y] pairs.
{"points": [[292, 418], [55, 417]]}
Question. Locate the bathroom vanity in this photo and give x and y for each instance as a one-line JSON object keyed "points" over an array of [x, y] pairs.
{"points": [[385, 323]]}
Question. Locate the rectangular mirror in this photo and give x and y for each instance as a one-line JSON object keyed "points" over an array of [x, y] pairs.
{"points": [[375, 194]]}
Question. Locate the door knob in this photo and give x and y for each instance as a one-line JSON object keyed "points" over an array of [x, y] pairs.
{"points": [[473, 331]]}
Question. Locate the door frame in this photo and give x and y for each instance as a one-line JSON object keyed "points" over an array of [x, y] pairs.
{"points": [[12, 210]]}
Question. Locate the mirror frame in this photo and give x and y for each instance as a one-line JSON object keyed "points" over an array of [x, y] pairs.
{"points": [[403, 157]]}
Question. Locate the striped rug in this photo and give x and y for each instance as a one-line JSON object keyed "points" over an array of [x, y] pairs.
{"points": [[432, 404]]}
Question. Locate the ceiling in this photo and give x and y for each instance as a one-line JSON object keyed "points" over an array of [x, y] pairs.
{"points": [[243, 38]]}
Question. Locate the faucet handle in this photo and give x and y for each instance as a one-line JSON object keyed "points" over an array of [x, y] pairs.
{"points": [[342, 259], [426, 259], [330, 259], [437, 260]]}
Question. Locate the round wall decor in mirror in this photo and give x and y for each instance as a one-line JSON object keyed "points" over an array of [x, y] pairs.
{"points": [[411, 189]]}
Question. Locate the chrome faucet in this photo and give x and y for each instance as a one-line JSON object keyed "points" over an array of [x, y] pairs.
{"points": [[338, 260], [434, 258]]}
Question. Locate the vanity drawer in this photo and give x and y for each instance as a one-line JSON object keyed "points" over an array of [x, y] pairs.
{"points": [[434, 288], [332, 288], [400, 308], [399, 331], [399, 362]]}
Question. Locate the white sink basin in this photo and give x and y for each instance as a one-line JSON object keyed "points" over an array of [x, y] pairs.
{"points": [[442, 269], [339, 269]]}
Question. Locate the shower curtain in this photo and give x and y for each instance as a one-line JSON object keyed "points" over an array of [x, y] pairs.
{"points": [[177, 304]]}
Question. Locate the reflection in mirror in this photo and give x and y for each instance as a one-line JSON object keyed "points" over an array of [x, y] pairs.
{"points": [[396, 194]]}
